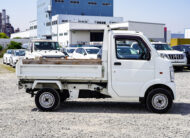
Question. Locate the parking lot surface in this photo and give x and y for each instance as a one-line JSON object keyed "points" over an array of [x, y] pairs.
{"points": [[90, 117]]}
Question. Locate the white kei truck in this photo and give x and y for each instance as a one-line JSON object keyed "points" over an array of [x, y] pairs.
{"points": [[123, 73]]}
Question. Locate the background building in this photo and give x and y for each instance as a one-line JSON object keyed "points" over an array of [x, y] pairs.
{"points": [[177, 35], [5, 25], [46, 9], [187, 33], [80, 21]]}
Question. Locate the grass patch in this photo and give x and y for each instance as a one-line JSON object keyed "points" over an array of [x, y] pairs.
{"points": [[7, 68]]}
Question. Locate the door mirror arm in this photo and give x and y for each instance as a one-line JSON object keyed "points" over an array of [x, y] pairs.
{"points": [[148, 56]]}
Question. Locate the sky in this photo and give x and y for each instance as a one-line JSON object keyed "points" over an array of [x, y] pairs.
{"points": [[174, 13]]}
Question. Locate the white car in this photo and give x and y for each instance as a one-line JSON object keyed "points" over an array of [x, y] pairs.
{"points": [[86, 53], [177, 58], [43, 49], [16, 56], [6, 56], [70, 51]]}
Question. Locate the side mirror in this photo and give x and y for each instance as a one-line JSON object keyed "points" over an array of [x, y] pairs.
{"points": [[85, 54], [148, 56]]}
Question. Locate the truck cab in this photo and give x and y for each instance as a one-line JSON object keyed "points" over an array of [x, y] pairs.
{"points": [[43, 49], [124, 73]]}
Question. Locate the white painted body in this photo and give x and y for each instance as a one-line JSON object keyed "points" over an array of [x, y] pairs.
{"points": [[175, 62], [187, 33], [85, 54], [173, 56], [7, 56], [32, 53], [15, 58], [130, 80]]}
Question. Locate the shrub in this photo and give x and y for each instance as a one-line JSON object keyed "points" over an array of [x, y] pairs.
{"points": [[1, 48], [2, 52], [14, 45], [3, 35], [17, 38]]}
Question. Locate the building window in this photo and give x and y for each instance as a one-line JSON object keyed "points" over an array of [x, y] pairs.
{"points": [[64, 21], [59, 0], [31, 27], [54, 22], [61, 34], [106, 4], [35, 27], [81, 21], [54, 35], [48, 24], [74, 2], [65, 33], [92, 3], [100, 22]]}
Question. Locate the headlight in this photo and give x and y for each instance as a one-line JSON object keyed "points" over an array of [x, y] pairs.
{"points": [[164, 55], [172, 75]]}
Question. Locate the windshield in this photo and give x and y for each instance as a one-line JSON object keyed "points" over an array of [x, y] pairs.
{"points": [[92, 51], [186, 48], [20, 53], [70, 51], [46, 46], [9, 51], [162, 47]]}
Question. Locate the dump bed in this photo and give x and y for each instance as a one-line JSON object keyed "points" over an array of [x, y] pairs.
{"points": [[62, 69]]}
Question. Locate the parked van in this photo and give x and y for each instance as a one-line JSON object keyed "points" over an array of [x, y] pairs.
{"points": [[43, 49]]}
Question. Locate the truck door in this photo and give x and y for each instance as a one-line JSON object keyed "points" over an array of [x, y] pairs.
{"points": [[132, 65]]}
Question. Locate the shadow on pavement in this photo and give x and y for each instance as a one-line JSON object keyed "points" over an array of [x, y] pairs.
{"points": [[184, 71], [115, 107]]}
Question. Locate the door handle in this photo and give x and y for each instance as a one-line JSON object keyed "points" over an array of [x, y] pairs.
{"points": [[117, 63]]}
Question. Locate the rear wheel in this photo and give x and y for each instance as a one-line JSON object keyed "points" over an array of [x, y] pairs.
{"points": [[47, 99], [159, 101]]}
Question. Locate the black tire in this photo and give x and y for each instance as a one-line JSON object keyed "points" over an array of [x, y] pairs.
{"points": [[166, 99], [179, 68], [64, 95], [53, 99], [4, 62]]}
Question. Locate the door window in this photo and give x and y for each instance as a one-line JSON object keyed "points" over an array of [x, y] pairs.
{"points": [[78, 51], [82, 51], [131, 48]]}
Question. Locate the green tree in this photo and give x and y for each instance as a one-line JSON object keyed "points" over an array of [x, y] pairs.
{"points": [[1, 48], [17, 38], [3, 35], [14, 45]]}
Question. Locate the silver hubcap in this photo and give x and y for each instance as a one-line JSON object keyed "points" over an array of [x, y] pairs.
{"points": [[160, 101], [46, 100]]}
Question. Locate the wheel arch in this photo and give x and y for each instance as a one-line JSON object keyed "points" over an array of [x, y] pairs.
{"points": [[57, 83], [159, 86]]}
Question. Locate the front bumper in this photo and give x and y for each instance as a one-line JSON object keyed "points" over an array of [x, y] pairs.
{"points": [[172, 86], [179, 63]]}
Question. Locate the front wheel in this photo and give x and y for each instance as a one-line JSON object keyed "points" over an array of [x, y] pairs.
{"points": [[47, 99], [159, 101]]}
